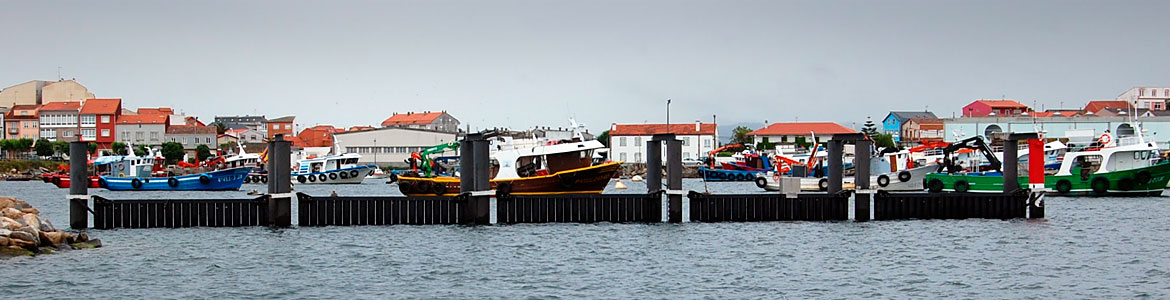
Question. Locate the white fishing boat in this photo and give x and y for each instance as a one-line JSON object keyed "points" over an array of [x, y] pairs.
{"points": [[332, 169]]}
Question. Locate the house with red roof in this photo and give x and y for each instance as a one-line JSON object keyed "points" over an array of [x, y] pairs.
{"points": [[98, 121], [191, 136], [20, 122], [998, 108], [58, 121], [437, 121], [142, 129], [627, 142], [1096, 106], [786, 133], [317, 136], [282, 125]]}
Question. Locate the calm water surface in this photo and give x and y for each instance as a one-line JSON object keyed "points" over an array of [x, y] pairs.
{"points": [[1087, 248]]}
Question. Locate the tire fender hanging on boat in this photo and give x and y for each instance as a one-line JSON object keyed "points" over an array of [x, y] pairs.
{"points": [[204, 179], [173, 182]]}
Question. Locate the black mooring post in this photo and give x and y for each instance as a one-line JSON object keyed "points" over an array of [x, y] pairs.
{"points": [[78, 186], [482, 181], [674, 180], [280, 182], [1011, 170], [861, 178], [836, 169], [466, 166], [654, 163]]}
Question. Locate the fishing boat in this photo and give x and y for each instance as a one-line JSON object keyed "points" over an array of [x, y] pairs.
{"points": [[133, 173], [559, 167], [253, 161], [1123, 167], [332, 169]]}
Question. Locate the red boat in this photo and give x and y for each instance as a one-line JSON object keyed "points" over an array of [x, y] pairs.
{"points": [[62, 181]]}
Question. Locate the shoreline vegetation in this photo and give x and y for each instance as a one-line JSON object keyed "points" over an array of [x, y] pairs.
{"points": [[23, 166]]}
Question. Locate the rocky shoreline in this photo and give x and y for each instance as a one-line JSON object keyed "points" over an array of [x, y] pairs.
{"points": [[24, 233]]}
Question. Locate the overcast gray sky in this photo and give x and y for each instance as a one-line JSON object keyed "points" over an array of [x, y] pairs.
{"points": [[527, 63]]}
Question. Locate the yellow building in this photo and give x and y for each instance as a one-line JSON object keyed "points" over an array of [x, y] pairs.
{"points": [[39, 92]]}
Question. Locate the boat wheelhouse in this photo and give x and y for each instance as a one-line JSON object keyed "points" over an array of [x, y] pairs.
{"points": [[332, 169]]}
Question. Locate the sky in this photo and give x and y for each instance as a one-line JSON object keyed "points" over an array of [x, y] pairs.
{"points": [[521, 64]]}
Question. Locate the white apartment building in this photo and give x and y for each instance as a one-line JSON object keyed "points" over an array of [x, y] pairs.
{"points": [[1152, 98], [627, 142]]}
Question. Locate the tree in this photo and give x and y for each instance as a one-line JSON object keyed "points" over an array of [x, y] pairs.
{"points": [[801, 142], [91, 148], [604, 138], [870, 129], [740, 135], [44, 147], [220, 128], [119, 148], [6, 145], [142, 150], [23, 145], [173, 152], [202, 152], [61, 147], [884, 140]]}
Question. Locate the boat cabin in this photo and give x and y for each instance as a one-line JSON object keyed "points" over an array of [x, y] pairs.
{"points": [[543, 160], [328, 163]]}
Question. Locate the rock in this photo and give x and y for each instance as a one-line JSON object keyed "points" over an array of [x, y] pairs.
{"points": [[46, 225], [94, 243], [6, 202], [25, 236], [12, 213], [52, 238], [9, 223], [12, 251], [81, 237], [33, 221], [4, 241], [30, 210], [46, 250], [5, 232]]}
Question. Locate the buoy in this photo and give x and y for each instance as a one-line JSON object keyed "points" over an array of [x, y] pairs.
{"points": [[619, 185], [636, 178]]}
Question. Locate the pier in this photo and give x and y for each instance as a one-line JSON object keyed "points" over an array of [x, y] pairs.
{"points": [[473, 206]]}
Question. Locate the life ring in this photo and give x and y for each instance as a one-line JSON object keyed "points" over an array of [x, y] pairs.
{"points": [[121, 174], [121, 167], [761, 182], [301, 178], [322, 177], [204, 179], [343, 175], [503, 189], [962, 186], [173, 182], [883, 180], [823, 184], [1142, 177], [904, 176], [312, 178], [1100, 186], [934, 185], [136, 183], [438, 188], [332, 176], [1105, 139], [353, 173], [1063, 186]]}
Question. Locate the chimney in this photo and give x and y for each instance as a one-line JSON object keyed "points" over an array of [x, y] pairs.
{"points": [[698, 126], [612, 126]]}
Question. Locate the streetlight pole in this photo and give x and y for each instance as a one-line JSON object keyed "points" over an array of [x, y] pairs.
{"points": [[667, 115]]}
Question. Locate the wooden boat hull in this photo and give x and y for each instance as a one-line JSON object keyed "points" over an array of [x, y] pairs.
{"points": [[588, 180]]}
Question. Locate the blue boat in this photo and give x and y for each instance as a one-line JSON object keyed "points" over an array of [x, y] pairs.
{"points": [[221, 180]]}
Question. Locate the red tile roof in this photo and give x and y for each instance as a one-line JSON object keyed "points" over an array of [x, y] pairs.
{"points": [[156, 111], [101, 106], [190, 129], [1002, 103], [412, 118], [12, 113], [1097, 105], [62, 106], [652, 129], [802, 128], [318, 136], [143, 119], [360, 128]]}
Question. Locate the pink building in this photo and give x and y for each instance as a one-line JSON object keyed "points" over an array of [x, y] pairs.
{"points": [[1000, 108]]}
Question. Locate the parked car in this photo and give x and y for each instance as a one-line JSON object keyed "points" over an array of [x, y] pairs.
{"points": [[692, 162]]}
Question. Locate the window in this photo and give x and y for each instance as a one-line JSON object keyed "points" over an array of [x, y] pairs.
{"points": [[106, 119], [1155, 93], [287, 126], [88, 133], [275, 126], [686, 154], [637, 157], [89, 119], [139, 136], [1141, 92], [637, 141], [105, 132], [194, 140], [622, 142], [706, 143], [154, 136], [686, 142]]}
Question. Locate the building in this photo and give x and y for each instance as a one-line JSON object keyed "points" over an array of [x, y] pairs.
{"points": [[191, 136], [21, 122], [1152, 98], [98, 121], [3, 110], [787, 133], [893, 123], [240, 122], [282, 125], [317, 136], [1156, 128], [142, 129], [1002, 108], [246, 135], [390, 145], [1095, 106], [437, 121], [627, 142], [38, 92], [59, 121], [360, 128], [918, 130]]}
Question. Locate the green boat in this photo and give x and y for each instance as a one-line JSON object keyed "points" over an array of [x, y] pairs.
{"points": [[1131, 169]]}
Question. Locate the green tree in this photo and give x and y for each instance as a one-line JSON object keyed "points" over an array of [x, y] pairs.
{"points": [[884, 140], [220, 128], [44, 147], [6, 146], [91, 148], [604, 138], [173, 152], [741, 135], [23, 145], [142, 150], [202, 152], [119, 148], [802, 143], [61, 147], [870, 129]]}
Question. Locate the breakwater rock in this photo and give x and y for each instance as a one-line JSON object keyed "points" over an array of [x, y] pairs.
{"points": [[24, 233]]}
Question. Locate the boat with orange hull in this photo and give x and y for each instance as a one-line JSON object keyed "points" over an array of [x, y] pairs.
{"points": [[587, 180]]}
